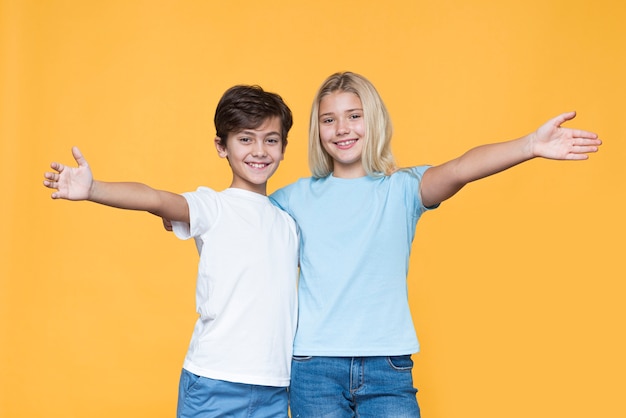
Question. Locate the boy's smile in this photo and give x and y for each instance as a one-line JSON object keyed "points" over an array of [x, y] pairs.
{"points": [[253, 155]]}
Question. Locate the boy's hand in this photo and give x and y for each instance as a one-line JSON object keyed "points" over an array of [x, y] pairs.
{"points": [[71, 183], [558, 143]]}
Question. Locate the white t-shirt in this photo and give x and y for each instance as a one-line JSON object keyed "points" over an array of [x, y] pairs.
{"points": [[246, 291]]}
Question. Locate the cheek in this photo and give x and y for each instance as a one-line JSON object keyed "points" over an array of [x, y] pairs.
{"points": [[326, 133], [360, 127], [326, 144]]}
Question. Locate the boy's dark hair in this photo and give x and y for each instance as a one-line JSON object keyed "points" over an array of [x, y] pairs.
{"points": [[247, 107]]}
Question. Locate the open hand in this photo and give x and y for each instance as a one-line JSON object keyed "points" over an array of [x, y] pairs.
{"points": [[72, 183], [553, 141]]}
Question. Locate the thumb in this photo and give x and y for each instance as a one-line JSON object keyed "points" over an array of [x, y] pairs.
{"points": [[78, 156], [564, 117]]}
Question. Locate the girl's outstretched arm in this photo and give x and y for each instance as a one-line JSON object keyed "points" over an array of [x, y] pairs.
{"points": [[77, 183], [551, 141]]}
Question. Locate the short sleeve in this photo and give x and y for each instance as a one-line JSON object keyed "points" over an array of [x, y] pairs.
{"points": [[203, 212]]}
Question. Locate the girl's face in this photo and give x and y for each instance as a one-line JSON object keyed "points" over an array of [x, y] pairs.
{"points": [[342, 131]]}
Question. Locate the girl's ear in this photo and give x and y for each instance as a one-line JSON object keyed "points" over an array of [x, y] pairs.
{"points": [[221, 149]]}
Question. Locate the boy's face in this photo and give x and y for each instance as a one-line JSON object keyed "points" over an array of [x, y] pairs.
{"points": [[253, 155]]}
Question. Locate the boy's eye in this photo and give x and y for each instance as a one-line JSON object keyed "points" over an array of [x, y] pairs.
{"points": [[272, 140], [245, 139]]}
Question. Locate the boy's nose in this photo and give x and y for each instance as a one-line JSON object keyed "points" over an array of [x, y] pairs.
{"points": [[259, 150]]}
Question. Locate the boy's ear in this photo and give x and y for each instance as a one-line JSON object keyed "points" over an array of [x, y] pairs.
{"points": [[221, 150]]}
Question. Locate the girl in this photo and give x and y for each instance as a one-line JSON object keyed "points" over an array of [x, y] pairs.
{"points": [[357, 215]]}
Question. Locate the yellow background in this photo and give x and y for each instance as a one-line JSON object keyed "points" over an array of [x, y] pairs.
{"points": [[516, 284]]}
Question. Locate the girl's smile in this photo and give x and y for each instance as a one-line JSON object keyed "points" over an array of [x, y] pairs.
{"points": [[346, 144]]}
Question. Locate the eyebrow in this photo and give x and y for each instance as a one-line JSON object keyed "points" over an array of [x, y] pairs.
{"points": [[346, 111], [253, 132]]}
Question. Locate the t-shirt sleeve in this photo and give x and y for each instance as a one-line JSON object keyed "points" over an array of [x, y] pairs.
{"points": [[203, 211], [417, 173]]}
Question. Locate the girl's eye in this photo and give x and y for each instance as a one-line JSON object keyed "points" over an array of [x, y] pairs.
{"points": [[327, 120], [355, 116]]}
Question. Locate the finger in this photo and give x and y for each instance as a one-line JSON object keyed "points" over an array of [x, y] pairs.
{"points": [[563, 117], [50, 184], [167, 224], [577, 156], [585, 149], [78, 156], [578, 133], [587, 141]]}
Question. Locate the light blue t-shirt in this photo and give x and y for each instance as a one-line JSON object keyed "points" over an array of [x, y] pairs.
{"points": [[356, 237]]}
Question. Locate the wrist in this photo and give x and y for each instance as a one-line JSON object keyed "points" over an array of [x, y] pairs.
{"points": [[528, 150], [92, 192]]}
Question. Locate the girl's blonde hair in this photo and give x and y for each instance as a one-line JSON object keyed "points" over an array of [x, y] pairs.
{"points": [[376, 158]]}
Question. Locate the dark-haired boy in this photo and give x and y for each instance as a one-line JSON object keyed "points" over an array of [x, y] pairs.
{"points": [[239, 358]]}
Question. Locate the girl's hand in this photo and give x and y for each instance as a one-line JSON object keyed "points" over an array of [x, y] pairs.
{"points": [[167, 224], [558, 143], [71, 183]]}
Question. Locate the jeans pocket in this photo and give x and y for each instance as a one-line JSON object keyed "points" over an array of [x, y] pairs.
{"points": [[401, 363], [301, 358], [190, 380]]}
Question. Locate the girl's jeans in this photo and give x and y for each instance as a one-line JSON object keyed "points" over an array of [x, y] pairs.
{"points": [[337, 387]]}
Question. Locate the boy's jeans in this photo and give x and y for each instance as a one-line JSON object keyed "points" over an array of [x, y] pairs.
{"points": [[201, 397], [337, 387]]}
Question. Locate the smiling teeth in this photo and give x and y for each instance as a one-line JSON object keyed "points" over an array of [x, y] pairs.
{"points": [[257, 165], [344, 143]]}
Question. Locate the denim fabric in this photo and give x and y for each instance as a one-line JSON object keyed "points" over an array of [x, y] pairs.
{"points": [[337, 387], [202, 397]]}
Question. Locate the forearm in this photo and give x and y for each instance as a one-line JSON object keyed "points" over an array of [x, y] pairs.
{"points": [[486, 160], [444, 181], [122, 195], [138, 196]]}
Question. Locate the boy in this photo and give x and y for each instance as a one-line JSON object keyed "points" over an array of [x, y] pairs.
{"points": [[239, 358]]}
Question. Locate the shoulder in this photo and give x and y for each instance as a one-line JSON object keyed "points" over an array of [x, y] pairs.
{"points": [[301, 182], [298, 185], [202, 191], [206, 200], [415, 171], [410, 176]]}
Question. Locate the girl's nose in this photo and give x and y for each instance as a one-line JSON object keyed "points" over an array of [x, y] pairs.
{"points": [[342, 127]]}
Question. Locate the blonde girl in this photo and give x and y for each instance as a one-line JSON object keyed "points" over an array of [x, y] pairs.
{"points": [[357, 216]]}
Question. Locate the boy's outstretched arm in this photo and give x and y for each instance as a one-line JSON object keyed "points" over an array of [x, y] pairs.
{"points": [[77, 183], [551, 141]]}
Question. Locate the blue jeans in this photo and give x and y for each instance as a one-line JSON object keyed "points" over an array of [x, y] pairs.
{"points": [[337, 387], [201, 397]]}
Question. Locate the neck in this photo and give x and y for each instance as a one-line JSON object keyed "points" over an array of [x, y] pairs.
{"points": [[349, 172]]}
